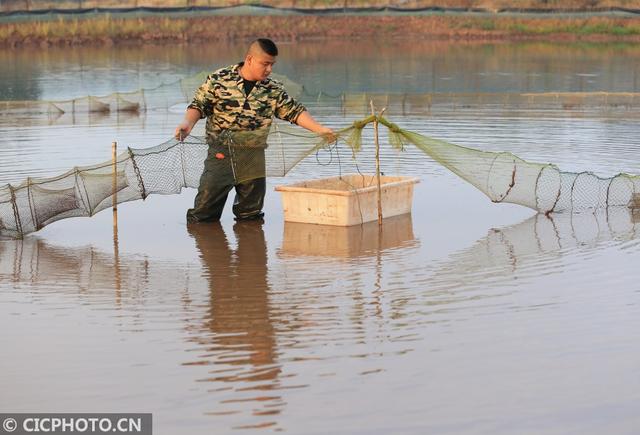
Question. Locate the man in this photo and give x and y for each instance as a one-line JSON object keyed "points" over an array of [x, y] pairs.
{"points": [[239, 102]]}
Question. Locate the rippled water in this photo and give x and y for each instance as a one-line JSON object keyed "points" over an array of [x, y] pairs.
{"points": [[464, 317]]}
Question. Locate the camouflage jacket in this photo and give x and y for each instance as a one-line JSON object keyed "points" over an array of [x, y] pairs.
{"points": [[222, 100]]}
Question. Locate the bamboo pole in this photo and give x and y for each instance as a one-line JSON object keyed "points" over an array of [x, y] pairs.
{"points": [[114, 186], [377, 143], [114, 160], [116, 245]]}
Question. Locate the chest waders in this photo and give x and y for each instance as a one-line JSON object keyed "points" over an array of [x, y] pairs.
{"points": [[230, 165]]}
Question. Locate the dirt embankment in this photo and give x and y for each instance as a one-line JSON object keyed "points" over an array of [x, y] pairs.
{"points": [[108, 30]]}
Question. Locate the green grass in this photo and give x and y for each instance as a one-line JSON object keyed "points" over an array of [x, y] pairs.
{"points": [[488, 24], [574, 27], [102, 27]]}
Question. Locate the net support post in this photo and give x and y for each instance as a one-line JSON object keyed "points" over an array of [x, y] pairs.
{"points": [[114, 184], [377, 145], [635, 201], [114, 201]]}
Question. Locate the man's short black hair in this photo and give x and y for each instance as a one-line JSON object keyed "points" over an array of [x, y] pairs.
{"points": [[268, 46]]}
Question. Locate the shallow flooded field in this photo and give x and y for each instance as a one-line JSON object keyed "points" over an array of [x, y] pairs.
{"points": [[463, 317]]}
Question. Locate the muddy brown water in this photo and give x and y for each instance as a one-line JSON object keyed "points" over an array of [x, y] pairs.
{"points": [[463, 317]]}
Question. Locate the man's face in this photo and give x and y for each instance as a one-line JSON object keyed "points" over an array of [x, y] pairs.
{"points": [[260, 65]]}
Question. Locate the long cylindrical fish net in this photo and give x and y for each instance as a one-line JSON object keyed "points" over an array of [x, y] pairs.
{"points": [[162, 96], [504, 177], [437, 102], [137, 173], [169, 167], [181, 91]]}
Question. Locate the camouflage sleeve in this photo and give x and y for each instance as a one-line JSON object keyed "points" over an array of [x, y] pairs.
{"points": [[204, 98], [287, 108]]}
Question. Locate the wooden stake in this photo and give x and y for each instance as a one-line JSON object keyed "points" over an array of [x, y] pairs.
{"points": [[114, 201], [377, 143], [114, 185], [114, 160]]}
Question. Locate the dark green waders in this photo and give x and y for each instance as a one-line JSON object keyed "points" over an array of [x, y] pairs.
{"points": [[222, 168]]}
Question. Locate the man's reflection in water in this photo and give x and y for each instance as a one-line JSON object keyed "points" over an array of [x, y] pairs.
{"points": [[243, 338]]}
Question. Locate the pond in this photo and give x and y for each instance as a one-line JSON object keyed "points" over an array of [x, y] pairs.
{"points": [[464, 317]]}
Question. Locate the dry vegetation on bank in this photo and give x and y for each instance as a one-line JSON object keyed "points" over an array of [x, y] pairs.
{"points": [[490, 5], [108, 30]]}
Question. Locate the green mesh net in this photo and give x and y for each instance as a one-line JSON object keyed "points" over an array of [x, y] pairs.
{"points": [[348, 103], [163, 96], [358, 103], [137, 173], [504, 177], [169, 167]]}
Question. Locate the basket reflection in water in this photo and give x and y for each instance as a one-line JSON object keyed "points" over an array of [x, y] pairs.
{"points": [[352, 241]]}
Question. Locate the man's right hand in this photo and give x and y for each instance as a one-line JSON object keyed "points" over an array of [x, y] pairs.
{"points": [[182, 131], [190, 119]]}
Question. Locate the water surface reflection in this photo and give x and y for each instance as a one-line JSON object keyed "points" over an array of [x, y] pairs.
{"points": [[347, 242], [237, 336], [535, 247], [261, 335]]}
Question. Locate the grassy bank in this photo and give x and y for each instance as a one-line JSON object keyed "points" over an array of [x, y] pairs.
{"points": [[108, 30], [487, 5]]}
